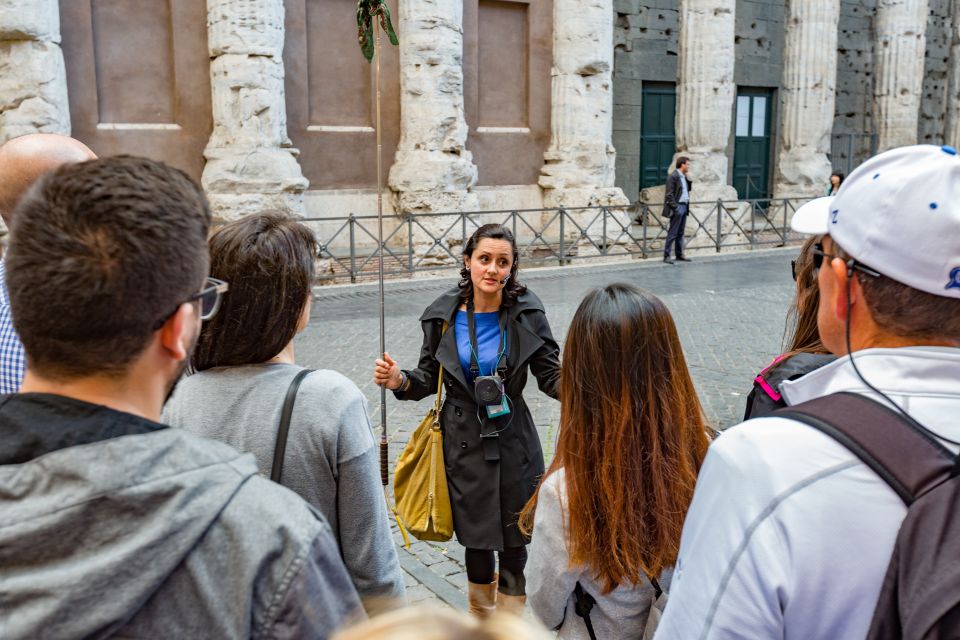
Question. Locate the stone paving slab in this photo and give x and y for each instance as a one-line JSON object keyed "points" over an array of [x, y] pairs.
{"points": [[730, 314]]}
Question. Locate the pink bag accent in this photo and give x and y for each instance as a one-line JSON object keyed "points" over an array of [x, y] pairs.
{"points": [[770, 391]]}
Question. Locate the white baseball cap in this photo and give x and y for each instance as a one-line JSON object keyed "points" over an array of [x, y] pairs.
{"points": [[898, 213]]}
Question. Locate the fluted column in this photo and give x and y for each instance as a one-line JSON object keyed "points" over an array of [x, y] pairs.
{"points": [[807, 97], [705, 94], [250, 163], [579, 164], [432, 171], [900, 48], [952, 128], [33, 80]]}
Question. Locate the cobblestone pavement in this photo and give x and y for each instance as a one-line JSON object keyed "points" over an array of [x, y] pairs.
{"points": [[729, 310]]}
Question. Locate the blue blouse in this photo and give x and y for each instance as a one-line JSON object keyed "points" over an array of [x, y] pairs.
{"points": [[488, 342]]}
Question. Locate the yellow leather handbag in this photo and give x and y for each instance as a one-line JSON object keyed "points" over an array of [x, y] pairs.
{"points": [[420, 480]]}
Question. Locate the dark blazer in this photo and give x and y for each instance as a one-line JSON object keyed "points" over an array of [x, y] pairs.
{"points": [[487, 493], [671, 195]]}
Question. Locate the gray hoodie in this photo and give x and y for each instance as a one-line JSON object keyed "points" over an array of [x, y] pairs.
{"points": [[144, 531]]}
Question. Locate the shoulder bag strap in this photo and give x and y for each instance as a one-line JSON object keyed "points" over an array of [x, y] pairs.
{"points": [[584, 603], [901, 451], [285, 414], [440, 378]]}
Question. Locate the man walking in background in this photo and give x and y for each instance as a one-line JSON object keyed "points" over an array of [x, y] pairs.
{"points": [[676, 205]]}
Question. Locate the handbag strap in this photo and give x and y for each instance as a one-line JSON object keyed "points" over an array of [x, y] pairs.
{"points": [[584, 603], [285, 414], [440, 377]]}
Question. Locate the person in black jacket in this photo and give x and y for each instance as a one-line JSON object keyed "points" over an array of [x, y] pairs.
{"points": [[676, 206], [805, 352], [488, 324]]}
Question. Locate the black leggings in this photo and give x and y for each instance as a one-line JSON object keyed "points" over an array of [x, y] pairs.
{"points": [[481, 567]]}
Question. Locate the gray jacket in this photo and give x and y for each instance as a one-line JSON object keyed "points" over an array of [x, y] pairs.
{"points": [[160, 534], [330, 459]]}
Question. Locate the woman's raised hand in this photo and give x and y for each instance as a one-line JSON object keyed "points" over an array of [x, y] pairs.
{"points": [[386, 373]]}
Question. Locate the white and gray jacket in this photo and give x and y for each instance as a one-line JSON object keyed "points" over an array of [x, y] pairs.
{"points": [[789, 535], [622, 613]]}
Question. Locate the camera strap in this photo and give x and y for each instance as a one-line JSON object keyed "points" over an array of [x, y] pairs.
{"points": [[489, 434], [501, 364]]}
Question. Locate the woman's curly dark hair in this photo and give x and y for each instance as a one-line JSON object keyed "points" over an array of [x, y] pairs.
{"points": [[513, 289]]}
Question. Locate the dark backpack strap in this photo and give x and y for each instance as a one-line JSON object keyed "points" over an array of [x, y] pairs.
{"points": [[584, 603], [285, 414], [900, 450]]}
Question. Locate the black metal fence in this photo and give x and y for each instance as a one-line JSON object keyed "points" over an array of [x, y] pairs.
{"points": [[418, 242]]}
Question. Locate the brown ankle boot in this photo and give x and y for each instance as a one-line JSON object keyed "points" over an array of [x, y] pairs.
{"points": [[482, 598], [511, 604]]}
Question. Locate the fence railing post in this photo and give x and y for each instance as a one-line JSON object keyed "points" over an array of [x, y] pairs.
{"points": [[562, 214], [353, 250], [643, 241], [606, 247], [753, 225], [719, 223], [410, 243]]}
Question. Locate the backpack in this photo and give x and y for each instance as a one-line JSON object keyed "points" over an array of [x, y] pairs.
{"points": [[765, 396], [920, 597]]}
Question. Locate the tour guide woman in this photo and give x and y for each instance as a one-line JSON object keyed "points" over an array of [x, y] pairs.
{"points": [[492, 451]]}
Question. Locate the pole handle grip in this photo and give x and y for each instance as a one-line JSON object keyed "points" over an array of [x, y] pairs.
{"points": [[384, 467]]}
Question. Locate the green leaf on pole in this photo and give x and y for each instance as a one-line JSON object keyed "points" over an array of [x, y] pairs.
{"points": [[367, 12]]}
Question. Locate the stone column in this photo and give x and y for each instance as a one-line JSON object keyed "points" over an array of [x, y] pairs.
{"points": [[900, 48], [251, 165], [33, 81], [951, 134], [807, 98], [705, 94], [579, 166], [432, 170]]}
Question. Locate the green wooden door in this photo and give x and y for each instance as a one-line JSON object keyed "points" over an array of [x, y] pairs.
{"points": [[657, 139], [751, 156]]}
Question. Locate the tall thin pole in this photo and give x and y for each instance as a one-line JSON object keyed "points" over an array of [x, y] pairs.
{"points": [[384, 471]]}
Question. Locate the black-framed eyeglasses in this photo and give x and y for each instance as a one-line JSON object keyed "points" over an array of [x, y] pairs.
{"points": [[210, 297], [819, 254]]}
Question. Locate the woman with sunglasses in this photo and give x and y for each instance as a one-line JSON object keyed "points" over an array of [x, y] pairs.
{"points": [[488, 326], [805, 351], [607, 516], [245, 362]]}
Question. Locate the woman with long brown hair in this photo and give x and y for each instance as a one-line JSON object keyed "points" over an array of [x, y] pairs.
{"points": [[608, 513]]}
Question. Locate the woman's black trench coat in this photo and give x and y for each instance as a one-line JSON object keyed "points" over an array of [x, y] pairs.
{"points": [[491, 478]]}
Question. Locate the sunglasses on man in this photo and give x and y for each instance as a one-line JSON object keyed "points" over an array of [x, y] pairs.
{"points": [[819, 254]]}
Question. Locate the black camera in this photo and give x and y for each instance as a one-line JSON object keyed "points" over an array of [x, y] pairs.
{"points": [[488, 390]]}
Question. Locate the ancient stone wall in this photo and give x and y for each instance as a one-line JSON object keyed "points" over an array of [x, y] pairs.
{"points": [[933, 101], [854, 112], [759, 42], [645, 49]]}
